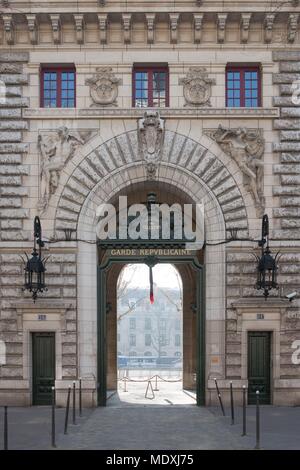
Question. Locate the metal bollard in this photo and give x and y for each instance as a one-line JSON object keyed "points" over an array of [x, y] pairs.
{"points": [[80, 398], [257, 422], [125, 383], [219, 396], [156, 389], [74, 402], [53, 418], [231, 403], [67, 410], [244, 410], [5, 429]]}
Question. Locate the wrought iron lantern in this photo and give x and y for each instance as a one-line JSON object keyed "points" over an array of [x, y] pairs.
{"points": [[35, 266], [267, 265]]}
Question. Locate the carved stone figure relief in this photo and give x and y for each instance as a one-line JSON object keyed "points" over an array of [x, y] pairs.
{"points": [[246, 147], [197, 87], [150, 138], [104, 87], [55, 148]]}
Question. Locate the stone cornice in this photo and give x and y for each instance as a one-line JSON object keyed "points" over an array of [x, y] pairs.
{"points": [[222, 17], [133, 113]]}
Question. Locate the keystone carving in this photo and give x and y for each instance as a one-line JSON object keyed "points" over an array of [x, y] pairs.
{"points": [[197, 87], [246, 148], [104, 87], [150, 138], [55, 149]]}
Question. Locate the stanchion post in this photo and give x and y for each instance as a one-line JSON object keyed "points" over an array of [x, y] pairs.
{"points": [[219, 396], [257, 422], [5, 429], [125, 383], [244, 410], [67, 410], [74, 402], [231, 403], [53, 418], [80, 398], [156, 389]]}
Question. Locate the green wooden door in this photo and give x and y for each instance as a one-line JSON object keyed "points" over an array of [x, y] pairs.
{"points": [[43, 367], [259, 366]]}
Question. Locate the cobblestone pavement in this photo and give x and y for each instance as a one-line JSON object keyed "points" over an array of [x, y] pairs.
{"points": [[159, 427]]}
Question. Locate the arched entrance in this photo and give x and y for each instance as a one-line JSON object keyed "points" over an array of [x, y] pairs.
{"points": [[215, 187]]}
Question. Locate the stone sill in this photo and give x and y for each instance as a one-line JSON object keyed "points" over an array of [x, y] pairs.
{"points": [[170, 113]]}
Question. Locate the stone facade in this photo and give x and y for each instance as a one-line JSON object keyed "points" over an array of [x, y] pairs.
{"points": [[101, 38]]}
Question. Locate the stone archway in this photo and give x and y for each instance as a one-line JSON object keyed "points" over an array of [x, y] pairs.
{"points": [[186, 166]]}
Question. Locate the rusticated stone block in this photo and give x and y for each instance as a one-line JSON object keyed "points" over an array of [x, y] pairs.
{"points": [[14, 213], [69, 292], [286, 56], [280, 101], [13, 125], [63, 258], [69, 360], [69, 349], [252, 292], [72, 206], [69, 268], [288, 280], [9, 79], [15, 103], [13, 148], [11, 159], [287, 147], [286, 169], [287, 124], [233, 205], [241, 257], [11, 224], [285, 234], [14, 191], [11, 202], [13, 91], [11, 269], [290, 180], [238, 214], [53, 268], [290, 201], [290, 112], [290, 158], [14, 170], [284, 212], [240, 280], [286, 89], [10, 181], [290, 223], [10, 113], [289, 67], [10, 258], [289, 268], [285, 77], [10, 136], [289, 135], [12, 372], [7, 56], [10, 68], [14, 235], [71, 326], [12, 281]]}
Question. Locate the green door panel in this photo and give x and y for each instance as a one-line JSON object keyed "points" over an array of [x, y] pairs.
{"points": [[43, 367], [259, 366]]}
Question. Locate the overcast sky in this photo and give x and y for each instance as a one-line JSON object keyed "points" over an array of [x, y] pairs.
{"points": [[164, 275]]}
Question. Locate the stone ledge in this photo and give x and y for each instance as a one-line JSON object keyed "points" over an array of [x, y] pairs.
{"points": [[127, 113]]}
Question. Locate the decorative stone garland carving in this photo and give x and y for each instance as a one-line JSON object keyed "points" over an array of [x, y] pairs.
{"points": [[55, 149], [197, 87], [104, 87], [246, 147], [150, 139]]}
